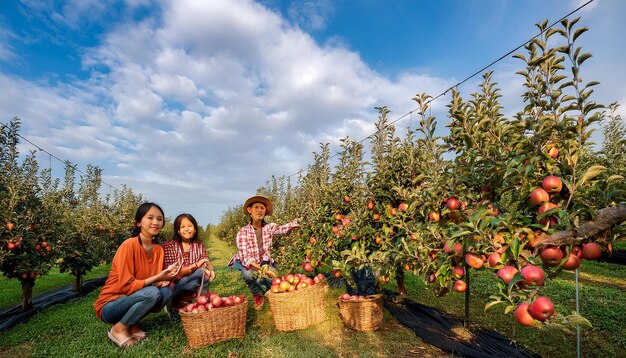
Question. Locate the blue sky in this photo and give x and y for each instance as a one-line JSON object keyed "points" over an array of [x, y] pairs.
{"points": [[195, 104]]}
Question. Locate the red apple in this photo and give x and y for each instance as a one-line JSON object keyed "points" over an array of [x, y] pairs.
{"points": [[202, 300], [453, 203], [474, 260], [552, 184], [217, 301], [338, 217], [551, 255], [576, 250], [378, 240], [460, 286], [495, 260], [542, 308], [458, 271], [553, 152], [10, 225], [376, 216], [189, 307], [591, 251], [307, 266], [393, 211], [434, 216], [10, 246], [312, 240], [539, 196], [345, 297], [370, 205], [507, 273], [346, 199], [458, 249], [432, 277], [533, 275], [523, 316], [547, 206], [403, 206], [572, 263], [228, 301]]}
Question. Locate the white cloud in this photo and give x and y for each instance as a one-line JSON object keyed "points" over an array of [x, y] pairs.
{"points": [[198, 104]]}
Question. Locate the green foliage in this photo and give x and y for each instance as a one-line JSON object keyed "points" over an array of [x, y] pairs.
{"points": [[48, 223]]}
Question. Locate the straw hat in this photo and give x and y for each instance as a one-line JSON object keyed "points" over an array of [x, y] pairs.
{"points": [[258, 199]]}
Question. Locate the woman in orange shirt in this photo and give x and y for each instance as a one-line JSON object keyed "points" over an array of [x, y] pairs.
{"points": [[137, 283]]}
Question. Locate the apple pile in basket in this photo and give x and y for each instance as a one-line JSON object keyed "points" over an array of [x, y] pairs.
{"points": [[348, 297], [293, 282], [211, 300]]}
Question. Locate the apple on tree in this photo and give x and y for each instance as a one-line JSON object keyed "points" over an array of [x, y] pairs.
{"points": [[533, 275], [460, 286], [551, 255], [523, 316], [539, 196], [507, 273], [453, 203], [542, 308], [474, 260], [552, 184], [591, 251]]}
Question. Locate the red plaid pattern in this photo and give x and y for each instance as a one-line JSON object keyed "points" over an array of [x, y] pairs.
{"points": [[174, 253], [248, 247]]}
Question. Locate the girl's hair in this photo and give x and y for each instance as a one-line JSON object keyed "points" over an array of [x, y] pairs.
{"points": [[177, 222], [142, 210]]}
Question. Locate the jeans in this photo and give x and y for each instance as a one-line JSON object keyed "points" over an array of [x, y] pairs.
{"points": [[131, 309], [256, 286], [189, 285]]}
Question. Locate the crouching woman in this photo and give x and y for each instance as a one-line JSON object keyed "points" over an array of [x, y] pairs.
{"points": [[137, 283]]}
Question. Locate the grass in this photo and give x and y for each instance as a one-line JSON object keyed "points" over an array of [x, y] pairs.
{"points": [[73, 330]]}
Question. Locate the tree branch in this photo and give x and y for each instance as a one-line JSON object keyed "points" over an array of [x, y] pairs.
{"points": [[606, 219]]}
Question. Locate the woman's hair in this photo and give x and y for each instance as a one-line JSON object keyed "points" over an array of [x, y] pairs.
{"points": [[142, 210], [177, 222]]}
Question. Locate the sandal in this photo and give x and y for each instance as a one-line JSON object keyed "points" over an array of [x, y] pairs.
{"points": [[139, 334], [123, 343]]}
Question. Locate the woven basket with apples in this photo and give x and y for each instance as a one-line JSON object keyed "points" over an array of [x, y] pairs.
{"points": [[212, 318], [361, 313], [297, 301]]}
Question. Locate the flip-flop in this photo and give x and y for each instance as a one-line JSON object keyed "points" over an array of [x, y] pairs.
{"points": [[121, 343], [139, 335]]}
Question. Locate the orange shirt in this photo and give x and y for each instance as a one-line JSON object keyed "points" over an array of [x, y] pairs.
{"points": [[129, 270]]}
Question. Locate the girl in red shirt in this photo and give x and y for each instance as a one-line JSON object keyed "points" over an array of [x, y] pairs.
{"points": [[185, 248]]}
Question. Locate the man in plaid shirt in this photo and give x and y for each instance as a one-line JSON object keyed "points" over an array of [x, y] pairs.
{"points": [[254, 242]]}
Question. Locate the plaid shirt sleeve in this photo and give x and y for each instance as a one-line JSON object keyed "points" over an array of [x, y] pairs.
{"points": [[198, 252], [170, 249], [269, 231], [246, 243]]}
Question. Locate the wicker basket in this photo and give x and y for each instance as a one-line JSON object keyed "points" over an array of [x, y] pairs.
{"points": [[362, 315], [215, 325], [298, 309]]}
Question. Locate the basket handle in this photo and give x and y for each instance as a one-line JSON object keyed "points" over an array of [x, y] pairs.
{"points": [[201, 285]]}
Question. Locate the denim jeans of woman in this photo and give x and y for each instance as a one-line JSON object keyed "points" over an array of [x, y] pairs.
{"points": [[131, 309]]}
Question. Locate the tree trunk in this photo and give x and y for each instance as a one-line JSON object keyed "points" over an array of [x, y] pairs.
{"points": [[78, 284], [27, 294], [604, 221]]}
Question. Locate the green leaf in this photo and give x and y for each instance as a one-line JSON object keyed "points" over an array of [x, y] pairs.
{"points": [[591, 173], [579, 31]]}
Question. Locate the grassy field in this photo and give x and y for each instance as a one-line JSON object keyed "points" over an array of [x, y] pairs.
{"points": [[73, 330]]}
